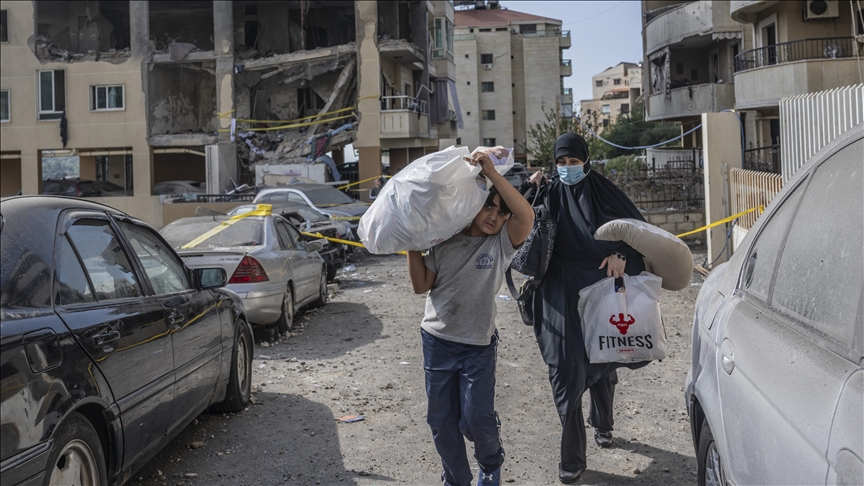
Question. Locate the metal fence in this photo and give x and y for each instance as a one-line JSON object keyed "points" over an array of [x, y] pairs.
{"points": [[764, 159], [677, 185], [810, 121], [827, 48], [749, 189]]}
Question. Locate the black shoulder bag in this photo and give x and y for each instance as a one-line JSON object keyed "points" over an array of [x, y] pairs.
{"points": [[532, 259]]}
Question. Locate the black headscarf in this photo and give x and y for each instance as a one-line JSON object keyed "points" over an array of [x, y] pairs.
{"points": [[572, 145]]}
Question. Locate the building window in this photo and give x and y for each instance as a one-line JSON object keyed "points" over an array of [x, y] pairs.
{"points": [[588, 111], [488, 114], [485, 30], [605, 122], [528, 29], [605, 109], [52, 94], [625, 108], [485, 58], [488, 142], [500, 29], [107, 98], [616, 81], [4, 26], [487, 86], [468, 113], [471, 30], [598, 83], [443, 38], [5, 111]]}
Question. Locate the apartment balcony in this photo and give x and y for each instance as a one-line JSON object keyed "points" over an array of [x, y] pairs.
{"points": [[567, 96], [766, 75], [745, 11], [690, 101], [400, 51], [404, 117], [566, 67], [564, 40], [704, 21], [442, 65]]}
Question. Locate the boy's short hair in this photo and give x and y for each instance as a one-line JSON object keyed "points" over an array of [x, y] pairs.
{"points": [[501, 203]]}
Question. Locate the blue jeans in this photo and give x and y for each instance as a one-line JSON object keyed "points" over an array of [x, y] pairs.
{"points": [[460, 387]]}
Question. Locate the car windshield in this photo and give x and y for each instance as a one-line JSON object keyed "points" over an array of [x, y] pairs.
{"points": [[323, 196], [245, 232]]}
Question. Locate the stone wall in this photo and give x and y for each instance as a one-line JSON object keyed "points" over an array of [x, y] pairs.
{"points": [[677, 222]]}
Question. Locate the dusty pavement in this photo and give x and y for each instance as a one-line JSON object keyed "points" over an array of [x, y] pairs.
{"points": [[361, 355]]}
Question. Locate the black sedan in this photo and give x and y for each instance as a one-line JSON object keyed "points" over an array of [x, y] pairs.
{"points": [[109, 345]]}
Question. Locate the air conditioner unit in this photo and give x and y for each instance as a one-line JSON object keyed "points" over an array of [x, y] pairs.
{"points": [[487, 66], [821, 9]]}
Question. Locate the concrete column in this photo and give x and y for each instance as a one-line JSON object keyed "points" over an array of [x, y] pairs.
{"points": [[142, 164], [223, 47], [721, 151], [369, 165], [31, 172], [367, 143]]}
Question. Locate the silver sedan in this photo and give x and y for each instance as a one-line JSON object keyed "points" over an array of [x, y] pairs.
{"points": [[776, 387], [271, 265]]}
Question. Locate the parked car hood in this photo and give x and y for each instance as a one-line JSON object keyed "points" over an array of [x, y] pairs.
{"points": [[356, 209]]}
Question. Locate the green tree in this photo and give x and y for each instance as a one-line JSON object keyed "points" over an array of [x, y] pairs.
{"points": [[542, 138], [631, 130]]}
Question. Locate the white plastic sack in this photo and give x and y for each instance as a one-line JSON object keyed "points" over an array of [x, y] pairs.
{"points": [[623, 326], [427, 202]]}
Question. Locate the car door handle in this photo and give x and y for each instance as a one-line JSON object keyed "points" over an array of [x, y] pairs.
{"points": [[105, 337], [175, 319], [727, 356]]}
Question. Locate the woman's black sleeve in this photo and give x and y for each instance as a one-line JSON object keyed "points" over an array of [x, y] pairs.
{"points": [[525, 187], [628, 251]]}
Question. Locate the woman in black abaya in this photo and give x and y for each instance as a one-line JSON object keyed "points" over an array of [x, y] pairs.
{"points": [[581, 200]]}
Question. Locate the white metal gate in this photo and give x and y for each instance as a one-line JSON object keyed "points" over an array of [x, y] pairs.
{"points": [[809, 122]]}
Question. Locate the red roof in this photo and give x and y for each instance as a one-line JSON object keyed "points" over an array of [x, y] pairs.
{"points": [[496, 17]]}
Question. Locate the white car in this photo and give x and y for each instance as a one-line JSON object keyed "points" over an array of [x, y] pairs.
{"points": [[775, 391], [324, 198]]}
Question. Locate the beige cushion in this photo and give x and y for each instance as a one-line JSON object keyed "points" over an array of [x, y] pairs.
{"points": [[665, 254]]}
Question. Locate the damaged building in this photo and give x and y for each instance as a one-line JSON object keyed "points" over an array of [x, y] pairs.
{"points": [[206, 90]]}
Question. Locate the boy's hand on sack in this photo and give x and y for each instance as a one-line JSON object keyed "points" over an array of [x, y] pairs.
{"points": [[487, 167]]}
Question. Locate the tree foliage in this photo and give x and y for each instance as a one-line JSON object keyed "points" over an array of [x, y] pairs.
{"points": [[542, 137]]}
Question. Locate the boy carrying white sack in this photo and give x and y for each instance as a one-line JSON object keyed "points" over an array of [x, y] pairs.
{"points": [[458, 330]]}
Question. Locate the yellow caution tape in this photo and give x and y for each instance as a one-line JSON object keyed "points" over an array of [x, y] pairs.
{"points": [[722, 221], [368, 97], [260, 210], [345, 242], [361, 182]]}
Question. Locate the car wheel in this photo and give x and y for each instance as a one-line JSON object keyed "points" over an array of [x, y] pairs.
{"points": [[286, 320], [710, 472], [77, 457], [240, 383], [322, 290]]}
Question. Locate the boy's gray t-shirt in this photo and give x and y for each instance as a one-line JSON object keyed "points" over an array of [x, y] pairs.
{"points": [[470, 269]]}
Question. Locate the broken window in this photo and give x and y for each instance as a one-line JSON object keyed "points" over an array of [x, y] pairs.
{"points": [[5, 111], [82, 27], [52, 94], [182, 98], [394, 20], [186, 21], [107, 98]]}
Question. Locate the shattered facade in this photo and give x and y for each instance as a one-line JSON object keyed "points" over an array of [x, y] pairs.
{"points": [[209, 89]]}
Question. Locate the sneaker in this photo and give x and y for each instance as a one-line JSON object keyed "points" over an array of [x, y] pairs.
{"points": [[603, 439], [489, 479], [567, 477]]}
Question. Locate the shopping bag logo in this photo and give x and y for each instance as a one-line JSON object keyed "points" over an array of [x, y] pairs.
{"points": [[622, 324]]}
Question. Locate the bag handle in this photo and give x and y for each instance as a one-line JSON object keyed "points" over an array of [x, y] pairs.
{"points": [[535, 282]]}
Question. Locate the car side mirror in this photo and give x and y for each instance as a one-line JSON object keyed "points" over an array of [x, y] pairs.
{"points": [[315, 245], [211, 278]]}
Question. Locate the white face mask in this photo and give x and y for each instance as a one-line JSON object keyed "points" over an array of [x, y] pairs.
{"points": [[570, 174]]}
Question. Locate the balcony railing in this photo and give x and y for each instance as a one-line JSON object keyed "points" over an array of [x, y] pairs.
{"points": [[442, 54], [544, 33], [403, 103], [567, 91], [827, 48], [565, 62], [463, 37]]}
